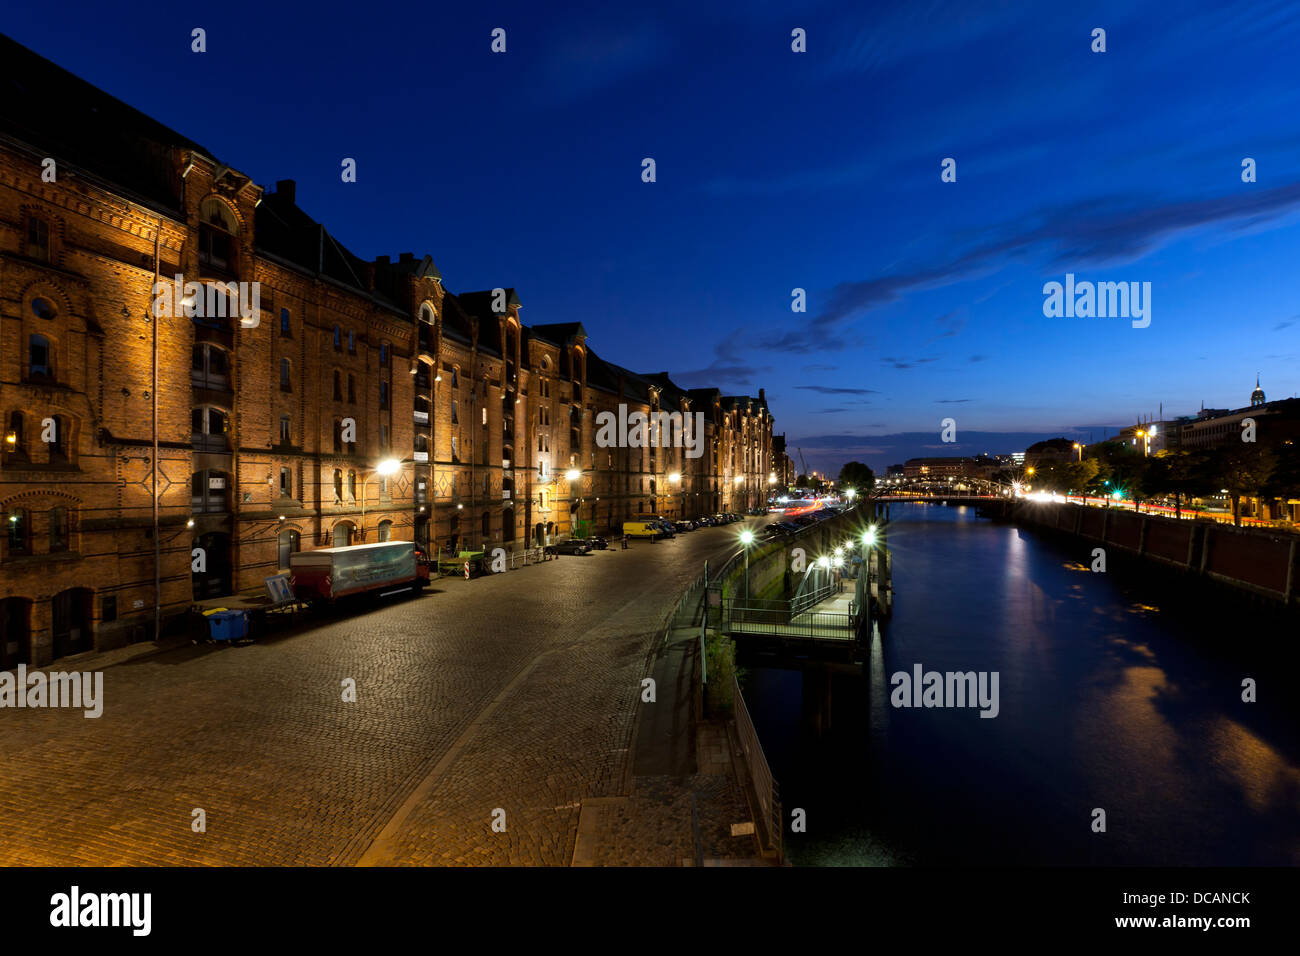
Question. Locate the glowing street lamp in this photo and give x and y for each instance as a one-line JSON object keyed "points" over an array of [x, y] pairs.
{"points": [[746, 538], [385, 469]]}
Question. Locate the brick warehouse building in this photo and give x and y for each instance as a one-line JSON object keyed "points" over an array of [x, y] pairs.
{"points": [[121, 466]]}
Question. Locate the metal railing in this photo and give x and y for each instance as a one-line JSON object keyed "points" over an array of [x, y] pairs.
{"points": [[766, 791], [779, 622]]}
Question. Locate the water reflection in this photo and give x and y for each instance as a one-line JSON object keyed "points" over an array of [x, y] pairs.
{"points": [[1110, 697]]}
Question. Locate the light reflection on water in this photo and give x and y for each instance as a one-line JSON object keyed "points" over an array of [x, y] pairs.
{"points": [[1107, 700]]}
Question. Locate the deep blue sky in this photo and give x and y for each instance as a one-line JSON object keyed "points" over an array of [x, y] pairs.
{"points": [[779, 170]]}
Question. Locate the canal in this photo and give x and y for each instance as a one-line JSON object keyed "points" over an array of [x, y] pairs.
{"points": [[1115, 692]]}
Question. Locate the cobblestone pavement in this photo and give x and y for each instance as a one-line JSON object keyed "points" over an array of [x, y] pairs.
{"points": [[515, 692]]}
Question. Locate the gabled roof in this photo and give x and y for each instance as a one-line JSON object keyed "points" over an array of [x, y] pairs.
{"points": [[560, 333], [284, 231], [480, 303], [76, 123]]}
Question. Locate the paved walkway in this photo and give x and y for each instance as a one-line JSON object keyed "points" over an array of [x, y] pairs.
{"points": [[507, 698]]}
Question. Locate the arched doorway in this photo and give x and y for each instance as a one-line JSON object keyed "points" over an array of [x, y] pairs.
{"points": [[15, 632], [211, 569], [539, 534], [71, 613], [290, 542]]}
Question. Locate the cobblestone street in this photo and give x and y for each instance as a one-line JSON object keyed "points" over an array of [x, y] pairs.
{"points": [[515, 692]]}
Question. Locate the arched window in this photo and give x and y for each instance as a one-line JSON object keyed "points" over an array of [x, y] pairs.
{"points": [[218, 238], [209, 428], [58, 529], [352, 485], [385, 531], [338, 486], [61, 441], [38, 238], [40, 357], [338, 386], [338, 339], [18, 526], [487, 525], [289, 543], [15, 439], [342, 534]]}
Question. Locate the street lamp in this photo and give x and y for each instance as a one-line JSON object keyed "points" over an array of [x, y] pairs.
{"points": [[1079, 449], [746, 538], [387, 467]]}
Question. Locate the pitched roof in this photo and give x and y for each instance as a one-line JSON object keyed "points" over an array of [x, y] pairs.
{"points": [[76, 123]]}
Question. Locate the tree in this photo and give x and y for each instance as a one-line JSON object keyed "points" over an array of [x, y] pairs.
{"points": [[1245, 470], [857, 476], [801, 481]]}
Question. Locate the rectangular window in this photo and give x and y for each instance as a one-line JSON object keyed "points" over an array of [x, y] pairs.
{"points": [[38, 239], [455, 416], [352, 342], [108, 608], [338, 339], [284, 375], [455, 449], [286, 483], [383, 395], [383, 437], [284, 323], [383, 355], [284, 429]]}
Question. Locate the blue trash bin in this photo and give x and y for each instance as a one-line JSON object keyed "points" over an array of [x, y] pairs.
{"points": [[228, 625]]}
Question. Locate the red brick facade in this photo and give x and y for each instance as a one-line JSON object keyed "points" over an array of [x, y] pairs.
{"points": [[149, 458]]}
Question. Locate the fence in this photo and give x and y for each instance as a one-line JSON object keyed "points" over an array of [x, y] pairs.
{"points": [[767, 793]]}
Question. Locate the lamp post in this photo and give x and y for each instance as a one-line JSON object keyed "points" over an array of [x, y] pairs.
{"points": [[572, 475], [746, 538], [384, 469], [1079, 449]]}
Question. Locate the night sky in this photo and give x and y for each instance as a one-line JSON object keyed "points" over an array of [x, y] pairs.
{"points": [[778, 170]]}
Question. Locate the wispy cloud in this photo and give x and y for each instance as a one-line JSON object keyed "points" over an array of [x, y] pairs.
{"points": [[827, 390]]}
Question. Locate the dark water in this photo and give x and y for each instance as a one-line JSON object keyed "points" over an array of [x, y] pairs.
{"points": [[1115, 691]]}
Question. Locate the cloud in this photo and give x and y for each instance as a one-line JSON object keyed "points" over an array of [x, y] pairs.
{"points": [[818, 368], [978, 358], [1286, 323], [1069, 236], [827, 390], [903, 363], [952, 401]]}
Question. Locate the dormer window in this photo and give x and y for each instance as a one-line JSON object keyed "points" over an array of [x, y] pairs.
{"points": [[218, 238]]}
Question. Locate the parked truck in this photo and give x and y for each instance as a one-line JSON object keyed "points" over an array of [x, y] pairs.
{"points": [[389, 567]]}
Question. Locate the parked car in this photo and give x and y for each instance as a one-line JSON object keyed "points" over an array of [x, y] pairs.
{"points": [[571, 546], [597, 543], [667, 527], [682, 526], [705, 521]]}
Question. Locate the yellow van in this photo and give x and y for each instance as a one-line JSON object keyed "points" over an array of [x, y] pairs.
{"points": [[640, 529]]}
